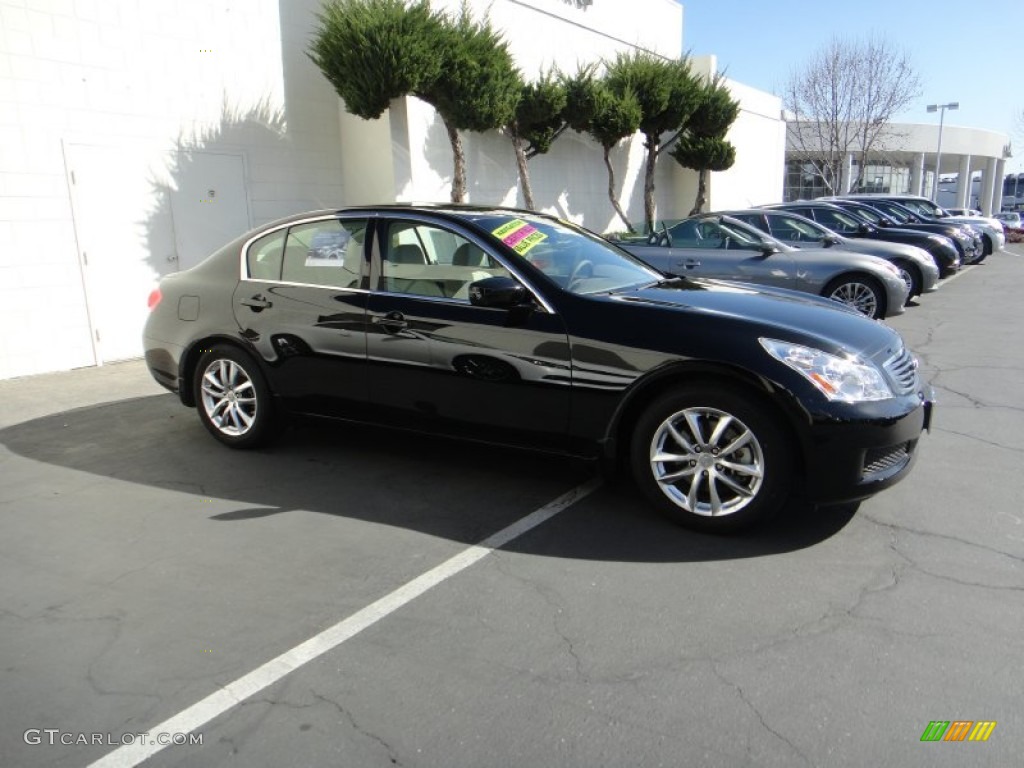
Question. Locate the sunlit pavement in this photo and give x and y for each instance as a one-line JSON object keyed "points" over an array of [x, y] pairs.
{"points": [[143, 567]]}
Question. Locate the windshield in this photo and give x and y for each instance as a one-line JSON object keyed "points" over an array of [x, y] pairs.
{"points": [[869, 214], [893, 212], [924, 208], [572, 258]]}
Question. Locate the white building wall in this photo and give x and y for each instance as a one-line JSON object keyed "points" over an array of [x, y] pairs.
{"points": [[118, 118], [759, 135], [570, 181], [156, 89]]}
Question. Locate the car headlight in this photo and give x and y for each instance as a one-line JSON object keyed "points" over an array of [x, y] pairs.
{"points": [[838, 378]]}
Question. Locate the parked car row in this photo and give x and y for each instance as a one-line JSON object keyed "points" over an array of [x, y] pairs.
{"points": [[872, 252], [504, 326]]}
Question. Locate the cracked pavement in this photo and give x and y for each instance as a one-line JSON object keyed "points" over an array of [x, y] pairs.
{"points": [[142, 567]]}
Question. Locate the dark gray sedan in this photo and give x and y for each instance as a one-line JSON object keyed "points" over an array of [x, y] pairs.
{"points": [[917, 267], [712, 245]]}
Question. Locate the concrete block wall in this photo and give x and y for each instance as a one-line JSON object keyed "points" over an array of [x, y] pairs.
{"points": [[165, 80]]}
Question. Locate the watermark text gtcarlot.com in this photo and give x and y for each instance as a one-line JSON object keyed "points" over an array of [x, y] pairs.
{"points": [[54, 736]]}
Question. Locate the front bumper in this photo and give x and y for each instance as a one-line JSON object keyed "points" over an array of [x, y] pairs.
{"points": [[850, 460]]}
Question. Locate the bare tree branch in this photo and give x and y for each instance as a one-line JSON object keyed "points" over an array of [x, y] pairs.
{"points": [[842, 102]]}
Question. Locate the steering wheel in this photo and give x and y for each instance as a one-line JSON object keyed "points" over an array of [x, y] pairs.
{"points": [[577, 273]]}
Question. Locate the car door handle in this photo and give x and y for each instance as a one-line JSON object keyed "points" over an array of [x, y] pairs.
{"points": [[257, 303], [688, 263], [392, 322]]}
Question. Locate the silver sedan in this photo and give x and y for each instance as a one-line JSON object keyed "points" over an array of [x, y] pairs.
{"points": [[917, 267], [722, 247]]}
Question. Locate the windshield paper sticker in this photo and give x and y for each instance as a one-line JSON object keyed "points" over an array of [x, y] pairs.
{"points": [[519, 236]]}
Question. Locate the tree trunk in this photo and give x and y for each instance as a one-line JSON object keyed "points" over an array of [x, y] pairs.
{"points": [[702, 192], [652, 156], [611, 190], [459, 158], [524, 172]]}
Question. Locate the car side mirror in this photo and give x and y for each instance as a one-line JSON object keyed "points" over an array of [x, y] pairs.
{"points": [[767, 249], [828, 241], [498, 292], [864, 229]]}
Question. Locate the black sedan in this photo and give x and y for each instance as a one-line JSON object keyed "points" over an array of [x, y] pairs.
{"points": [[512, 327]]}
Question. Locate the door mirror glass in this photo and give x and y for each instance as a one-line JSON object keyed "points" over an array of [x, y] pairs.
{"points": [[498, 292]]}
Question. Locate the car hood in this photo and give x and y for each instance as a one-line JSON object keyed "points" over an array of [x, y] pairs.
{"points": [[789, 315], [879, 247], [979, 220]]}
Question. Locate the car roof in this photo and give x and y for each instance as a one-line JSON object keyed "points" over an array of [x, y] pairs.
{"points": [[454, 210]]}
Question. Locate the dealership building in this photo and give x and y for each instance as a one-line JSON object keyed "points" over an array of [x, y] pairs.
{"points": [[973, 165]]}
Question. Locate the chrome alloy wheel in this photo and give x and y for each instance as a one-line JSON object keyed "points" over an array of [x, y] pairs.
{"points": [[858, 295], [228, 397], [707, 461]]}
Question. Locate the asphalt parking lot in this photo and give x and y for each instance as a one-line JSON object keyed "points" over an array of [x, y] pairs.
{"points": [[145, 571]]}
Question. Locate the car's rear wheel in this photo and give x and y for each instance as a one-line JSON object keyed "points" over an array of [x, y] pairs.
{"points": [[862, 293], [711, 458], [232, 398]]}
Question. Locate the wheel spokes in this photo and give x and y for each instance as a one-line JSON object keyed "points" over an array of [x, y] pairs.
{"points": [[707, 461]]}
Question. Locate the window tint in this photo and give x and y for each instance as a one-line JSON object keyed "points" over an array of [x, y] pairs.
{"points": [[794, 230], [427, 260], [707, 233], [328, 252], [568, 256], [753, 219], [837, 221], [264, 257]]}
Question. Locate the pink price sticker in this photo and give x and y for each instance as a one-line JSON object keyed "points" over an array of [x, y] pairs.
{"points": [[519, 235]]}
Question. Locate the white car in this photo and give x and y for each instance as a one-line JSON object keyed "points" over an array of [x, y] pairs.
{"points": [[1010, 219]]}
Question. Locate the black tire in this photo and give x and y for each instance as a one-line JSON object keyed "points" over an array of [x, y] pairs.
{"points": [[751, 481], [227, 409], [911, 276], [857, 289], [986, 246]]}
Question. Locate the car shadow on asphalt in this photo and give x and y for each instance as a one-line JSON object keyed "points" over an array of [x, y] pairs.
{"points": [[455, 490]]}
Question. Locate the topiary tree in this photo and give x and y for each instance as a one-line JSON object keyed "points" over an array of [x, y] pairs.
{"points": [[702, 145], [477, 88], [537, 122], [374, 51], [608, 117], [668, 93]]}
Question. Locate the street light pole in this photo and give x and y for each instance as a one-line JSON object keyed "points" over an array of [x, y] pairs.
{"points": [[941, 109]]}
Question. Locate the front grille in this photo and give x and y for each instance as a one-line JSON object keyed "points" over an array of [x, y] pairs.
{"points": [[903, 370], [882, 462]]}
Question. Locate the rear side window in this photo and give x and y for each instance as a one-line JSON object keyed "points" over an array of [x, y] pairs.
{"points": [[264, 257], [329, 252]]}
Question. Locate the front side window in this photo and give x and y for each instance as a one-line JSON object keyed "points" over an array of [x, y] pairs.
{"points": [[427, 260], [329, 253]]}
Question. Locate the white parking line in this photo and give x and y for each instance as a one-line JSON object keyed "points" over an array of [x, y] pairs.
{"points": [[959, 272], [236, 692]]}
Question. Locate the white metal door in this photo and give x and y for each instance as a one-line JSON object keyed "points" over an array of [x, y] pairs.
{"points": [[209, 204], [139, 215], [124, 238]]}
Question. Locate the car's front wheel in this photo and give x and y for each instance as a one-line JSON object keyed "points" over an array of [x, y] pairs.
{"points": [[711, 458], [232, 398], [862, 293]]}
